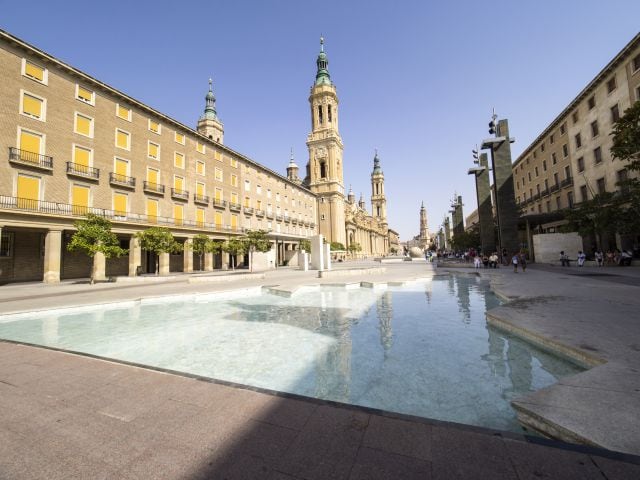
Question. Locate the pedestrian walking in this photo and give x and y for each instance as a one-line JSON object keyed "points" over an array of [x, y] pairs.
{"points": [[523, 261], [581, 258], [599, 257], [514, 260], [564, 259]]}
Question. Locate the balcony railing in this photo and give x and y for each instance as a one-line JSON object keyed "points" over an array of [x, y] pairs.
{"points": [[201, 199], [270, 215], [554, 188], [234, 206], [179, 194], [63, 209], [567, 182], [287, 219], [122, 180], [78, 170], [219, 203], [294, 221], [312, 225], [30, 158], [259, 213], [151, 187], [278, 217], [544, 192], [248, 210]]}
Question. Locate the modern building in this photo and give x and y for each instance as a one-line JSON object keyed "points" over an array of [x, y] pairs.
{"points": [[76, 145], [570, 160]]}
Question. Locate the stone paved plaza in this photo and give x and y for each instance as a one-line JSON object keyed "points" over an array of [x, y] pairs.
{"points": [[73, 416]]}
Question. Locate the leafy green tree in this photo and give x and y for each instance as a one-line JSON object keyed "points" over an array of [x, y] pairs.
{"points": [[305, 245], [599, 216], [158, 240], [354, 247], [94, 235], [467, 239], [256, 241], [199, 246], [336, 246], [234, 246]]}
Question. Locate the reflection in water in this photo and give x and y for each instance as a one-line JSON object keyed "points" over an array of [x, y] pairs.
{"points": [[387, 349]]}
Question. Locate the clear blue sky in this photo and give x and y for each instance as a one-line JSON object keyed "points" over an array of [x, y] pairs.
{"points": [[416, 79]]}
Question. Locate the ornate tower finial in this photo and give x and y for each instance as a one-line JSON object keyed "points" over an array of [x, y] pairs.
{"points": [[322, 75], [209, 124], [321, 43], [210, 104]]}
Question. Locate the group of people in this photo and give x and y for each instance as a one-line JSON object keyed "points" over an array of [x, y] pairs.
{"points": [[492, 260], [611, 258]]}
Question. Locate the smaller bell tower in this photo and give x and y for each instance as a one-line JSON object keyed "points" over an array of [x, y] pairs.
{"points": [[378, 199], [209, 124]]}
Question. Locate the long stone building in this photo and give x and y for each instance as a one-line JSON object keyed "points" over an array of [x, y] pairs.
{"points": [[570, 160], [75, 145]]}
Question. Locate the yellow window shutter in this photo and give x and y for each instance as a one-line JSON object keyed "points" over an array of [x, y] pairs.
{"points": [[28, 187], [177, 214], [122, 139], [85, 94], [152, 210], [32, 106], [80, 199], [123, 112], [83, 125], [34, 71], [177, 183], [152, 176], [30, 142], [218, 194], [121, 167], [153, 150], [234, 221], [200, 189], [81, 156], [200, 216], [120, 204], [218, 219]]}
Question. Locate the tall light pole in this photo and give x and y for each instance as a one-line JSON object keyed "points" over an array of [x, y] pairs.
{"points": [[483, 193]]}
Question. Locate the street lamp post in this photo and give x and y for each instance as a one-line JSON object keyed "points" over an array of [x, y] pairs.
{"points": [[485, 210]]}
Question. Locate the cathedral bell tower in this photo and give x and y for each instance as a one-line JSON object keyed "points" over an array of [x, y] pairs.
{"points": [[324, 170], [424, 228], [378, 199], [209, 124]]}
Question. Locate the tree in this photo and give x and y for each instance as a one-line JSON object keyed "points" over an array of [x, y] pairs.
{"points": [[199, 246], [234, 246], [336, 246], [467, 239], [354, 247], [305, 245], [158, 240], [256, 241], [93, 236]]}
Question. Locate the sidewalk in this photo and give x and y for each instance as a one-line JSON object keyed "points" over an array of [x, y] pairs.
{"points": [[72, 416]]}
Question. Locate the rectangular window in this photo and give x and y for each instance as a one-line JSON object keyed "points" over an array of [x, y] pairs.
{"points": [[623, 176], [635, 63], [153, 150], [153, 176], [121, 168], [123, 139], [218, 219], [544, 165], [581, 164], [234, 180], [6, 244], [217, 155], [83, 125], [178, 214], [591, 102], [259, 189], [600, 185], [558, 203], [200, 189], [578, 138], [82, 157], [556, 179], [218, 174], [570, 199], [179, 138], [79, 199], [551, 139], [563, 128], [542, 147], [178, 183], [234, 222], [554, 158], [31, 142], [584, 195], [199, 167], [120, 204], [536, 170], [247, 186], [615, 113], [154, 126], [200, 217], [595, 131], [152, 210], [259, 204], [28, 191], [85, 95], [32, 106], [611, 84], [233, 162], [567, 172], [200, 147], [597, 155], [529, 175], [268, 193], [565, 151], [247, 201], [178, 160], [218, 196], [34, 71], [123, 112], [234, 197], [575, 117]]}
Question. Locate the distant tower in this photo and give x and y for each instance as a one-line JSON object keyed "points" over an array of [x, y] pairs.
{"points": [[351, 197], [292, 170], [424, 228], [324, 171], [361, 203], [378, 199], [209, 124]]}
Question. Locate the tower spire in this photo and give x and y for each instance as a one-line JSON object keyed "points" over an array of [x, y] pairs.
{"points": [[210, 104], [322, 75], [209, 124]]}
